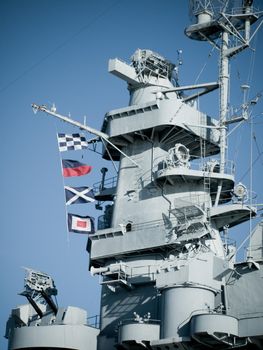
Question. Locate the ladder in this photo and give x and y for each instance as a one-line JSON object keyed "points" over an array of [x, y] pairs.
{"points": [[206, 175]]}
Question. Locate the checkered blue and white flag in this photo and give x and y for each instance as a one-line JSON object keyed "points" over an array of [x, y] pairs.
{"points": [[71, 142]]}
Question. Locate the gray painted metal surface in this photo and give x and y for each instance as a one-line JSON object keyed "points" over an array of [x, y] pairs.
{"points": [[169, 280]]}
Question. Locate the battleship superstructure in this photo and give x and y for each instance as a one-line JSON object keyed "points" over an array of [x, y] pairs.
{"points": [[169, 281]]}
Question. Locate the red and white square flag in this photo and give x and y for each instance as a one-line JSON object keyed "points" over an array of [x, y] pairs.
{"points": [[80, 224]]}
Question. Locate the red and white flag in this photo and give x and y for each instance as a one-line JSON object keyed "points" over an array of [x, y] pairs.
{"points": [[74, 168], [80, 224]]}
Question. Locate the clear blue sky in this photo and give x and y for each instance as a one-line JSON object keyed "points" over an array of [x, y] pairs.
{"points": [[58, 51]]}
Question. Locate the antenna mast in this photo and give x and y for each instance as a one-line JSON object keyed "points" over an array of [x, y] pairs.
{"points": [[216, 20]]}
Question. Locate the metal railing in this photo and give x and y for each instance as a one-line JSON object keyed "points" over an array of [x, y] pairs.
{"points": [[108, 183], [196, 163], [256, 251], [94, 321], [240, 10], [139, 320]]}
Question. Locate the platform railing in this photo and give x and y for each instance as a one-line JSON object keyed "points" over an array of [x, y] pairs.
{"points": [[94, 321], [108, 183], [195, 163], [139, 320], [240, 10], [254, 251]]}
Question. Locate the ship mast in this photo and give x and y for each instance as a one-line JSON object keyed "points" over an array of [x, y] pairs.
{"points": [[223, 84], [212, 24]]}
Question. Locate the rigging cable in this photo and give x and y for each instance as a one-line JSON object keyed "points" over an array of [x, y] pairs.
{"points": [[259, 152], [252, 64], [253, 163], [64, 185], [205, 64], [106, 148], [61, 45], [249, 79]]}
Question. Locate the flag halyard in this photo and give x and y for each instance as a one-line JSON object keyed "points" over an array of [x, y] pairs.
{"points": [[76, 195]]}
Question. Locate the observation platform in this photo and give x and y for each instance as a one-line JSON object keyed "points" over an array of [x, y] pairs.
{"points": [[178, 174], [167, 118]]}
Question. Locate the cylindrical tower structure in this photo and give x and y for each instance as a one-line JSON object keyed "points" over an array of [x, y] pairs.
{"points": [[179, 303]]}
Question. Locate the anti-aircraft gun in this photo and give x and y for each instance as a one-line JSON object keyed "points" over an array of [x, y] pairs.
{"points": [[29, 325]]}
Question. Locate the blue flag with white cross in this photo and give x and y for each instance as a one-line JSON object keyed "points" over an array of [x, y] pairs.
{"points": [[78, 195]]}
